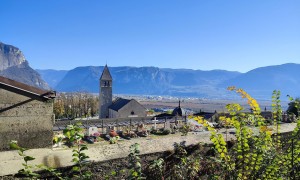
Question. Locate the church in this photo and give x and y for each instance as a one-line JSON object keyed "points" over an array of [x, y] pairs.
{"points": [[119, 108]]}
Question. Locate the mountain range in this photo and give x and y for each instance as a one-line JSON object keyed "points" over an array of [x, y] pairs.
{"points": [[259, 82]]}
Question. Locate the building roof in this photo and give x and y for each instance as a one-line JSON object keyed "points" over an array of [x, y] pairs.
{"points": [[118, 104], [25, 89], [106, 74], [178, 111]]}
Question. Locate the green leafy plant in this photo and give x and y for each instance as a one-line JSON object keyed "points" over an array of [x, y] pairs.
{"points": [[185, 129], [80, 160], [184, 165], [155, 170], [165, 132], [54, 172], [27, 171], [114, 140], [74, 134], [180, 156], [135, 167], [160, 131]]}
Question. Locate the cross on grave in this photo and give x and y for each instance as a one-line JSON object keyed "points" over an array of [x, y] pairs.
{"points": [[154, 123]]}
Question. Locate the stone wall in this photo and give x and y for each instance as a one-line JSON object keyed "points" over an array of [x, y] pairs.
{"points": [[113, 113], [28, 120], [132, 106], [105, 100]]}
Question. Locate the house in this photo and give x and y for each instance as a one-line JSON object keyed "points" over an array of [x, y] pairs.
{"points": [[26, 115]]}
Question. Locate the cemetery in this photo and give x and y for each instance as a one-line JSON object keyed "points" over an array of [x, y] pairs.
{"points": [[113, 130]]}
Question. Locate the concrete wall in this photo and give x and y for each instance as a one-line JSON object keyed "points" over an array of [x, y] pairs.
{"points": [[26, 120]]}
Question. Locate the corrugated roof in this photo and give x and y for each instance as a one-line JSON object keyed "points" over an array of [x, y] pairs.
{"points": [[118, 104], [16, 86], [106, 74]]}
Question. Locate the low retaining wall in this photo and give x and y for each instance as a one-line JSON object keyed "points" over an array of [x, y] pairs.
{"points": [[11, 162]]}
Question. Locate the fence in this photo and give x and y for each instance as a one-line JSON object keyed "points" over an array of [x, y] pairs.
{"points": [[117, 122]]}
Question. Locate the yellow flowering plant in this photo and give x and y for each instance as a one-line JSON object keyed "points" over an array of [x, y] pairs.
{"points": [[256, 153]]}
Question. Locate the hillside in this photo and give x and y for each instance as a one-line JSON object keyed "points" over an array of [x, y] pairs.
{"points": [[52, 77], [149, 80], [260, 82], [13, 65]]}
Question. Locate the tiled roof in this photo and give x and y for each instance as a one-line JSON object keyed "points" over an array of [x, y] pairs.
{"points": [[106, 74], [118, 104], [16, 86]]}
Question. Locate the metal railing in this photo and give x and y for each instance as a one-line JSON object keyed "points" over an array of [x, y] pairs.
{"points": [[116, 122]]}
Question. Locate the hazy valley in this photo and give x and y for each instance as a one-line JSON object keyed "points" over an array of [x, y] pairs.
{"points": [[259, 82]]}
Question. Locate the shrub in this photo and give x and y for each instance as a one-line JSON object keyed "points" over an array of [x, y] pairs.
{"points": [[255, 156]]}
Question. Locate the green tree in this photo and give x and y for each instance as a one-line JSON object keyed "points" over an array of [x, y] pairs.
{"points": [[58, 108], [294, 106]]}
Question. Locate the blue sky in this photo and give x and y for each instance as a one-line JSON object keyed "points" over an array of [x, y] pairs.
{"points": [[234, 35]]}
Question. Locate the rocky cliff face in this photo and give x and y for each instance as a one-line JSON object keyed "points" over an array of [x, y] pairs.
{"points": [[13, 65]]}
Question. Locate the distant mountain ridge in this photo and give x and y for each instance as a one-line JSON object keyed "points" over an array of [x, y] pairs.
{"points": [[13, 65], [52, 77], [148, 80], [259, 82]]}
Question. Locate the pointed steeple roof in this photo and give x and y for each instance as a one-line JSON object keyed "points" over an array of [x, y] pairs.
{"points": [[106, 74]]}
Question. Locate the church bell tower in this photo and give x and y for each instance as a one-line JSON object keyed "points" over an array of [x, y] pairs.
{"points": [[105, 94]]}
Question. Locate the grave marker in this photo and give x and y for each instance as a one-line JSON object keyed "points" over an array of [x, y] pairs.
{"points": [[167, 125], [154, 127], [92, 131], [179, 123]]}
